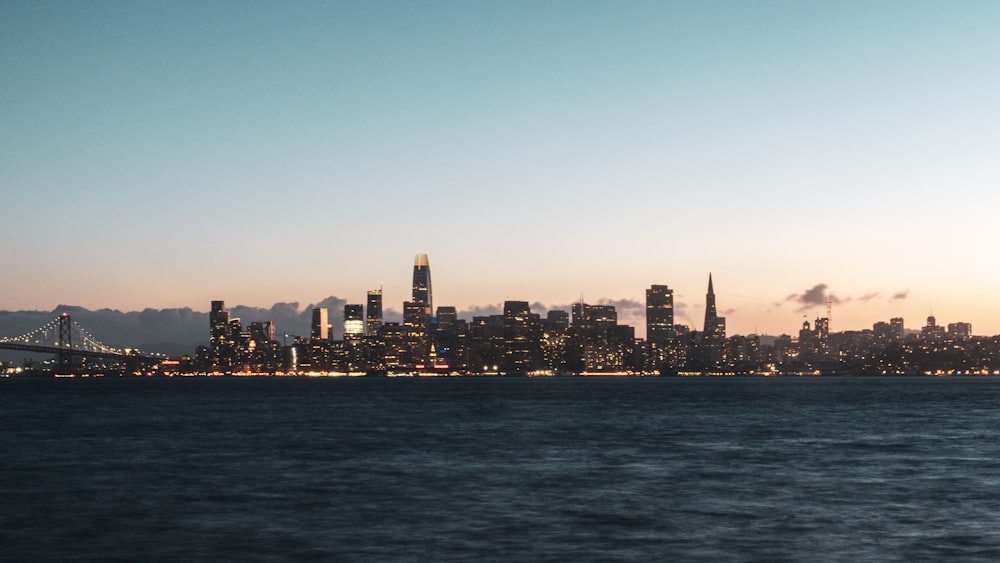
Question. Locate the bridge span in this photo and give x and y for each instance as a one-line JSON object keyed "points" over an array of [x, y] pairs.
{"points": [[68, 341]]}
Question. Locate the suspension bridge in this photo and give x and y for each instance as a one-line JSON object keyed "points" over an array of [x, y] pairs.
{"points": [[70, 342]]}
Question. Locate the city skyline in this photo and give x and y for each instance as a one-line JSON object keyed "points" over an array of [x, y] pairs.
{"points": [[163, 156], [327, 314]]}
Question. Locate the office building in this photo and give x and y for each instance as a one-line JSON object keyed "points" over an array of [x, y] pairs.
{"points": [[422, 282], [715, 326], [416, 324], [521, 347], [354, 322], [659, 314], [320, 324], [373, 320]]}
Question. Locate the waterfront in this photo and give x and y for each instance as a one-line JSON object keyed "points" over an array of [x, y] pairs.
{"points": [[500, 469]]}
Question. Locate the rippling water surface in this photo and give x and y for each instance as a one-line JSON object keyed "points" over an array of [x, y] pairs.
{"points": [[703, 469]]}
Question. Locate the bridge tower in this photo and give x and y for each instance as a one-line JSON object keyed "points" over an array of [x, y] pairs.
{"points": [[65, 344]]}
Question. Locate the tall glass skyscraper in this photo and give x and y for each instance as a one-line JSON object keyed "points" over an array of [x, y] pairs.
{"points": [[715, 326], [320, 324], [659, 314], [218, 324], [422, 282], [354, 322], [373, 321]]}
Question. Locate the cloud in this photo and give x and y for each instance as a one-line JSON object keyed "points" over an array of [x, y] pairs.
{"points": [[900, 295], [392, 316], [623, 304], [481, 311], [814, 297], [869, 296]]}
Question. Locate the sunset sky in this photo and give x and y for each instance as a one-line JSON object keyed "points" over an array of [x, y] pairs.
{"points": [[165, 154]]}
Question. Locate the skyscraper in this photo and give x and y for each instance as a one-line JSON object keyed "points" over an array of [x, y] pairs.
{"points": [[416, 324], [218, 325], [897, 327], [710, 313], [320, 324], [354, 322], [714, 335], [715, 326], [422, 282], [594, 318], [447, 317], [521, 345], [220, 335], [373, 321], [659, 314]]}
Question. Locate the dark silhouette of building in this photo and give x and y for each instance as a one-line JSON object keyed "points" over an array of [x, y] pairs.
{"points": [[597, 343], [218, 325], [395, 352], [715, 326], [354, 322], [959, 330], [422, 282], [932, 331], [224, 337], [897, 325], [450, 337], [446, 317], [659, 314], [486, 343], [594, 318], [555, 341], [320, 328], [373, 320], [416, 324], [714, 332], [559, 319], [521, 334]]}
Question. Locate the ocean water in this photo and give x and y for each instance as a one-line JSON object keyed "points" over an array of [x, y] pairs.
{"points": [[490, 469]]}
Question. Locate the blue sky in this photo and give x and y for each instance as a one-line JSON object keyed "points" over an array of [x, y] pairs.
{"points": [[164, 154]]}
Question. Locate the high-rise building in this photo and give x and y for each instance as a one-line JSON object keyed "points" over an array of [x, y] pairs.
{"points": [[659, 314], [221, 339], [416, 324], [932, 330], [711, 355], [422, 282], [320, 324], [559, 319], [960, 330], [218, 324], [449, 338], [715, 326], [447, 317], [262, 332], [897, 326], [520, 330], [594, 318], [373, 321], [354, 322]]}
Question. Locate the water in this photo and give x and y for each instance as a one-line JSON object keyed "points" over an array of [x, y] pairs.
{"points": [[705, 469]]}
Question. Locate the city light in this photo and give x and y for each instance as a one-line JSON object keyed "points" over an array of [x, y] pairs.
{"points": [[588, 340]]}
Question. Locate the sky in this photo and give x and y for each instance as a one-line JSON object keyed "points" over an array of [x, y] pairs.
{"points": [[166, 154]]}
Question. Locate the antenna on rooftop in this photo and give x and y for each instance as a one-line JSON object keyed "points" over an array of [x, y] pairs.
{"points": [[829, 314]]}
